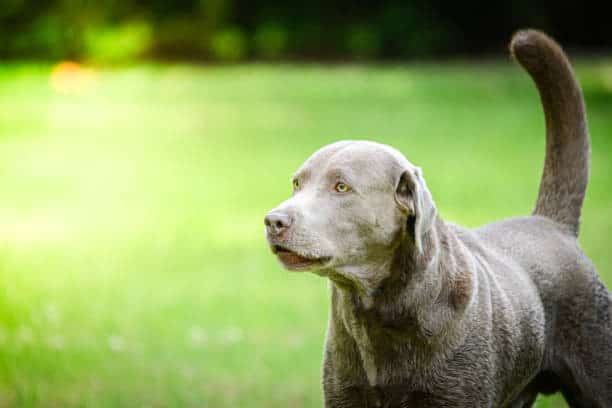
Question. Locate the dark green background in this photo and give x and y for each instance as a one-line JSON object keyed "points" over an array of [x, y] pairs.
{"points": [[229, 30]]}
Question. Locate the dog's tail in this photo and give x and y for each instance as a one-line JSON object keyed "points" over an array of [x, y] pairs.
{"points": [[566, 166]]}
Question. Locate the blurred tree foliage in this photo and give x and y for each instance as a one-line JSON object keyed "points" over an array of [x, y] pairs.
{"points": [[115, 31]]}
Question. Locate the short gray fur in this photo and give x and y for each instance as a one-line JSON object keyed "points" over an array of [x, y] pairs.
{"points": [[425, 313]]}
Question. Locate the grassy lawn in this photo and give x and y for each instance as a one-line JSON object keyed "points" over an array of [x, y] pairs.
{"points": [[133, 263]]}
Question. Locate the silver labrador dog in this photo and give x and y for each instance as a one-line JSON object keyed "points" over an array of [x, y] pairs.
{"points": [[425, 313]]}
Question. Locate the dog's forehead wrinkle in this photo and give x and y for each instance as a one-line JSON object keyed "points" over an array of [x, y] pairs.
{"points": [[371, 151], [321, 156], [362, 160], [338, 172]]}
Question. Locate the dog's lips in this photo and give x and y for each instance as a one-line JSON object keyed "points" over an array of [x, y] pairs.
{"points": [[294, 261]]}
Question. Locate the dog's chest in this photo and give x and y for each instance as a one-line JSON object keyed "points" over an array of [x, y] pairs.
{"points": [[383, 359], [359, 332]]}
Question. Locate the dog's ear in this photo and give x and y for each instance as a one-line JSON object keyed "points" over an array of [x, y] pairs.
{"points": [[414, 198]]}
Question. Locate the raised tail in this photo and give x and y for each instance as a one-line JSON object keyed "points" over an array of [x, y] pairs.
{"points": [[566, 166]]}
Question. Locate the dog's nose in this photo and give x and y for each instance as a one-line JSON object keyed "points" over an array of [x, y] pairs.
{"points": [[277, 222]]}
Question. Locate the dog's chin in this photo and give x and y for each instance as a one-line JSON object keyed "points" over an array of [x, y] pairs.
{"points": [[293, 261]]}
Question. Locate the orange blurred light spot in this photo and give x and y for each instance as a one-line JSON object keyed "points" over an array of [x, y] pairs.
{"points": [[72, 78]]}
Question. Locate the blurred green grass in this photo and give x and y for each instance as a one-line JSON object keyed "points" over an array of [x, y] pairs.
{"points": [[133, 263]]}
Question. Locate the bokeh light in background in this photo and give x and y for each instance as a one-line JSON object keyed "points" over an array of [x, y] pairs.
{"points": [[140, 147], [69, 77]]}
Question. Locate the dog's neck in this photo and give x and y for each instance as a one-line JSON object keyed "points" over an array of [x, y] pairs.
{"points": [[423, 294]]}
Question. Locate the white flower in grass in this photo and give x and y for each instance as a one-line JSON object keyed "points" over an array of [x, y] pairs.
{"points": [[52, 313], [188, 372], [231, 335], [116, 343], [56, 342], [24, 335], [295, 340], [197, 336]]}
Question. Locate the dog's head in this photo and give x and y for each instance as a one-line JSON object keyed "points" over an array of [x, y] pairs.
{"points": [[353, 203]]}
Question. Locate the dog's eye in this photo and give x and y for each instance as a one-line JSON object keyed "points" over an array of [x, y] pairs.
{"points": [[341, 187], [296, 184]]}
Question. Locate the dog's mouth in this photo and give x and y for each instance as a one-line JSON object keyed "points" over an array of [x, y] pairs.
{"points": [[296, 262]]}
